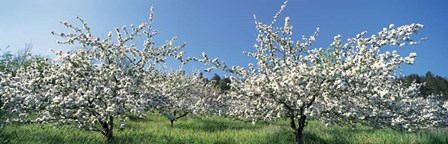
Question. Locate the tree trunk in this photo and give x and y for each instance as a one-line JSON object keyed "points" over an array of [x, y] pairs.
{"points": [[297, 128], [109, 135], [299, 131], [299, 139], [108, 127], [175, 118]]}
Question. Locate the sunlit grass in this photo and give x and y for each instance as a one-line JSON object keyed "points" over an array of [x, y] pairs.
{"points": [[156, 129]]}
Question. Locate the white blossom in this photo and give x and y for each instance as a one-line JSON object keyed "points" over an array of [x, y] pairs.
{"points": [[91, 85], [346, 83]]}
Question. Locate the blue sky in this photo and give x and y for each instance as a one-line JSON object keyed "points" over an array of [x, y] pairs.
{"points": [[226, 28]]}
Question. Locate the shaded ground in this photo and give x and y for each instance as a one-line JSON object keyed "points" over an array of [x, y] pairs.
{"points": [[156, 129]]}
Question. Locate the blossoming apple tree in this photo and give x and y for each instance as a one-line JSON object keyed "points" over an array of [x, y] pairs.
{"points": [[92, 85], [351, 82], [184, 94]]}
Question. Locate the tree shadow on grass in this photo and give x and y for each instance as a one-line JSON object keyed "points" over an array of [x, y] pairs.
{"points": [[162, 139], [316, 139], [283, 135], [341, 136], [316, 133], [286, 136], [137, 118], [209, 125], [52, 135], [345, 135], [435, 136]]}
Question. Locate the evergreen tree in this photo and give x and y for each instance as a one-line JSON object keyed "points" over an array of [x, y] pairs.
{"points": [[224, 84], [433, 84]]}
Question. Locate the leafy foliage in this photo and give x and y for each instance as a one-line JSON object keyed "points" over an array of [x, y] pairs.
{"points": [[432, 84], [10, 63], [224, 84]]}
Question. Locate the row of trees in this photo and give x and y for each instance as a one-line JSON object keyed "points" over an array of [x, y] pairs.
{"points": [[106, 79], [432, 84], [349, 82], [10, 62], [188, 94]]}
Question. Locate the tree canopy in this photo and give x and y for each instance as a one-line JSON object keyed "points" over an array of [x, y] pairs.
{"points": [[432, 84]]}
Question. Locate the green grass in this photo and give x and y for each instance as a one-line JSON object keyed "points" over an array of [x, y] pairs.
{"points": [[156, 129]]}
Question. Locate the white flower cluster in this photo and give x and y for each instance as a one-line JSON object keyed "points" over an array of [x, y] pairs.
{"points": [[348, 82], [91, 85], [184, 94], [351, 82], [343, 83]]}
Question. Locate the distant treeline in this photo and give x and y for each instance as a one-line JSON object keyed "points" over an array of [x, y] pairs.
{"points": [[432, 84], [222, 83]]}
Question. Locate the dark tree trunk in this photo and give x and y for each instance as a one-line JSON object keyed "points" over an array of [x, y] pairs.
{"points": [[298, 128], [108, 127], [175, 118], [299, 131], [299, 139]]}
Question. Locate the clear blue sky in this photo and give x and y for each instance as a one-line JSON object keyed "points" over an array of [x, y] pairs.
{"points": [[225, 28]]}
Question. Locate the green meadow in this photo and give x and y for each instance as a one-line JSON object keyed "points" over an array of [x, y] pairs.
{"points": [[219, 130]]}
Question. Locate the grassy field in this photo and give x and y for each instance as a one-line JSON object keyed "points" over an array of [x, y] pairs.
{"points": [[156, 129]]}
